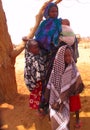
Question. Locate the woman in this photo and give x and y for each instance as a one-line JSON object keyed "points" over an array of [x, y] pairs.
{"points": [[64, 81], [47, 36]]}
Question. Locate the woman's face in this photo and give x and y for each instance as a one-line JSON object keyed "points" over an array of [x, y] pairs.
{"points": [[67, 56], [53, 12]]}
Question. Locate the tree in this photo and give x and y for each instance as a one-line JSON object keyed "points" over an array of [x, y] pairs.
{"points": [[8, 86], [8, 54]]}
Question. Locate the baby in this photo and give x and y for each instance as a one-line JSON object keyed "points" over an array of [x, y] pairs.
{"points": [[67, 35]]}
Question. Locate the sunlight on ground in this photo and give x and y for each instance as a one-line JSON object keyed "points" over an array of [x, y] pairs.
{"points": [[4, 127], [21, 127], [6, 105], [17, 115], [84, 114]]}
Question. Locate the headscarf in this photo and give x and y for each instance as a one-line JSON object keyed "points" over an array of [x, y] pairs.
{"points": [[58, 72], [49, 30], [49, 6]]}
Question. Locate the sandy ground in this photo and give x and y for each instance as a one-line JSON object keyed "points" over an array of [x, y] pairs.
{"points": [[16, 115]]}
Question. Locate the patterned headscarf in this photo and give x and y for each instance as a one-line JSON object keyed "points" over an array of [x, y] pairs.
{"points": [[49, 6], [59, 68]]}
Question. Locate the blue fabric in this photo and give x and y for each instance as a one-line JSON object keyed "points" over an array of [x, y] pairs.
{"points": [[48, 32]]}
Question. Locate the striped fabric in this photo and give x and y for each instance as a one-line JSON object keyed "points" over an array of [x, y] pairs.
{"points": [[60, 83]]}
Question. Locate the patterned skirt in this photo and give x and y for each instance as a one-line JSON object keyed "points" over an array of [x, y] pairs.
{"points": [[35, 97]]}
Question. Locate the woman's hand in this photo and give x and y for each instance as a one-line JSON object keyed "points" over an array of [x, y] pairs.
{"points": [[25, 39]]}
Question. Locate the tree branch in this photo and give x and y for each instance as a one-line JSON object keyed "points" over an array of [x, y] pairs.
{"points": [[16, 51]]}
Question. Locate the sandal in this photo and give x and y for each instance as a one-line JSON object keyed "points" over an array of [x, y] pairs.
{"points": [[40, 114], [78, 125], [43, 108], [41, 111]]}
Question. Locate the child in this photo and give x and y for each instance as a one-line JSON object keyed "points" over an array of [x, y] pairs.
{"points": [[68, 37], [62, 83], [33, 72], [75, 106]]}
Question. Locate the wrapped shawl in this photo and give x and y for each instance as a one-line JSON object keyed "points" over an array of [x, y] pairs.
{"points": [[63, 82], [49, 30], [63, 79], [67, 35]]}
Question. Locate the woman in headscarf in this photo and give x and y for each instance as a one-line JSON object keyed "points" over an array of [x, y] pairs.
{"points": [[47, 36], [64, 81]]}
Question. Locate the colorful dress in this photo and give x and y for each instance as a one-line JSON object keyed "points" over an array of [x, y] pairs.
{"points": [[34, 73], [35, 96]]}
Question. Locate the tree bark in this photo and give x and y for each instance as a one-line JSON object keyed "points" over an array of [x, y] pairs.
{"points": [[8, 86]]}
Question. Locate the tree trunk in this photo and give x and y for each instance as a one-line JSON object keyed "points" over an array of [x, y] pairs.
{"points": [[8, 86]]}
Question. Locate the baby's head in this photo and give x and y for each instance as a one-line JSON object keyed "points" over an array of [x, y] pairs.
{"points": [[51, 11], [65, 22], [33, 47]]}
